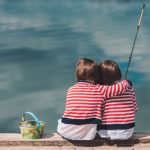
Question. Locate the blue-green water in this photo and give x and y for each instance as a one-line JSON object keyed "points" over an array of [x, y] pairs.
{"points": [[41, 41]]}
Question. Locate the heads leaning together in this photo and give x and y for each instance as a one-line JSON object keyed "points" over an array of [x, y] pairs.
{"points": [[106, 73]]}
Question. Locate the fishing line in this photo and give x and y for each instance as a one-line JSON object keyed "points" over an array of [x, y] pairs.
{"points": [[138, 27]]}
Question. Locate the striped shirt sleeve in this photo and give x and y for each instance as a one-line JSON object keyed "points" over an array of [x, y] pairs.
{"points": [[135, 106], [135, 102], [116, 89]]}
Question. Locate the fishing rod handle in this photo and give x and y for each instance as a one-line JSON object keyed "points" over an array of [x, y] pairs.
{"points": [[141, 15]]}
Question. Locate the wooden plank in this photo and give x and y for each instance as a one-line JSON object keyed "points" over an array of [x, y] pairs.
{"points": [[14, 139]]}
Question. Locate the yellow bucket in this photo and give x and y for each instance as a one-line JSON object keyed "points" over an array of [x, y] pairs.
{"points": [[31, 129]]}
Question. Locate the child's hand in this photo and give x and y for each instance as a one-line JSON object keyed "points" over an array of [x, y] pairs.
{"points": [[130, 82]]}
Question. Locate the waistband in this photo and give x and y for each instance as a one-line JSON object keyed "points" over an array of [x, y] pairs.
{"points": [[81, 121], [116, 126]]}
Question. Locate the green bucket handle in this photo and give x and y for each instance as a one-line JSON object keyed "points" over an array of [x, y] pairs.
{"points": [[34, 116]]}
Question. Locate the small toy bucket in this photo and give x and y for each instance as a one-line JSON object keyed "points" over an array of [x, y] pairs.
{"points": [[31, 129]]}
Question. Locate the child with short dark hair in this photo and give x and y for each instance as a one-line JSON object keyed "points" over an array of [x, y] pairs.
{"points": [[118, 118], [84, 101]]}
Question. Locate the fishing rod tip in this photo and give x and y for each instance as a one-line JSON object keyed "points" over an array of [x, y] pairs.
{"points": [[143, 6]]}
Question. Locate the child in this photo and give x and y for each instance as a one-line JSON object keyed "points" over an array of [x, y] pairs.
{"points": [[118, 119], [84, 101]]}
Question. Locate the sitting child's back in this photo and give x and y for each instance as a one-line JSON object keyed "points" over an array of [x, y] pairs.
{"points": [[118, 119]]}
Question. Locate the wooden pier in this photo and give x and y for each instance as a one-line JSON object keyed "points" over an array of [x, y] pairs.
{"points": [[53, 141]]}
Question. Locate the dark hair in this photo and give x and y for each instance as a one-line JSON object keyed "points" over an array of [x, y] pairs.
{"points": [[109, 72], [87, 69]]}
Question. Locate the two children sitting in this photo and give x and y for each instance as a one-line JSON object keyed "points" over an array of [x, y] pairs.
{"points": [[98, 103]]}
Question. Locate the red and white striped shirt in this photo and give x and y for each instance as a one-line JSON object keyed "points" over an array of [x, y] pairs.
{"points": [[119, 111], [84, 101]]}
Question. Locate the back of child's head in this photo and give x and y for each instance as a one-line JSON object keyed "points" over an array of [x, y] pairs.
{"points": [[109, 72], [87, 70]]}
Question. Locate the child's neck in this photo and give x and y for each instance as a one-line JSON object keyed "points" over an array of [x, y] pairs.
{"points": [[89, 81]]}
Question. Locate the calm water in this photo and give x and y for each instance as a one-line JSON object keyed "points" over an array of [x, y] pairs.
{"points": [[41, 41]]}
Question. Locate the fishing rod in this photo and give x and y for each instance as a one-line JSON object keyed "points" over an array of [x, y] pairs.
{"points": [[139, 23]]}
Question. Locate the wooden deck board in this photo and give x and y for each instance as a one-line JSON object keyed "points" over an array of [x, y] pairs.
{"points": [[14, 139]]}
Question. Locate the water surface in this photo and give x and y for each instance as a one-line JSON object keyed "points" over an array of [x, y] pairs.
{"points": [[41, 41]]}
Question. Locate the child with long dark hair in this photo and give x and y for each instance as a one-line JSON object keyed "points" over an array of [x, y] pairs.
{"points": [[84, 101], [118, 112]]}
